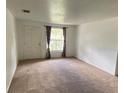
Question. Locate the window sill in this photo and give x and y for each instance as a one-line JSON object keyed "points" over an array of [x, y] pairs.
{"points": [[56, 50]]}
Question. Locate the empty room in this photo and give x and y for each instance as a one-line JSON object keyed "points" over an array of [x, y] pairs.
{"points": [[62, 46]]}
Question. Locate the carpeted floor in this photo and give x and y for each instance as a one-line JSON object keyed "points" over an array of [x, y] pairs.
{"points": [[67, 75]]}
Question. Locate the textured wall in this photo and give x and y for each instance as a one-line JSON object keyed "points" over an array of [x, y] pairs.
{"points": [[11, 51], [97, 43]]}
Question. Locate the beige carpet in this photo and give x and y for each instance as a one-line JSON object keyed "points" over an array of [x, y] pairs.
{"points": [[67, 75]]}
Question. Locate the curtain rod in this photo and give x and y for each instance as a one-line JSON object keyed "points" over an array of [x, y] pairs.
{"points": [[56, 26]]}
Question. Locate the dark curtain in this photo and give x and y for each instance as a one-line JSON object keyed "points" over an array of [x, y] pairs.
{"points": [[48, 33], [64, 46]]}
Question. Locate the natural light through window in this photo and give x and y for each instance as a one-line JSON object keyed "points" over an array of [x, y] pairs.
{"points": [[57, 39]]}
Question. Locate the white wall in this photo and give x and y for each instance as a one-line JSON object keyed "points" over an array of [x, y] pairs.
{"points": [[97, 43], [71, 41], [22, 24], [11, 53]]}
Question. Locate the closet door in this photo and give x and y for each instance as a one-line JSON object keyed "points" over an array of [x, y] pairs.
{"points": [[32, 42]]}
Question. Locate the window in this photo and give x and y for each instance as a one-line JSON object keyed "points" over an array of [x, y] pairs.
{"points": [[57, 39]]}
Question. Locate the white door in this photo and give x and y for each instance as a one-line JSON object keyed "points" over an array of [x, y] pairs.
{"points": [[32, 42]]}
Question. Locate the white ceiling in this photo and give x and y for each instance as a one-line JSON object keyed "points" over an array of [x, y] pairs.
{"points": [[64, 11]]}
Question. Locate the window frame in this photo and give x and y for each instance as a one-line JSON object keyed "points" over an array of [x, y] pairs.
{"points": [[61, 39]]}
